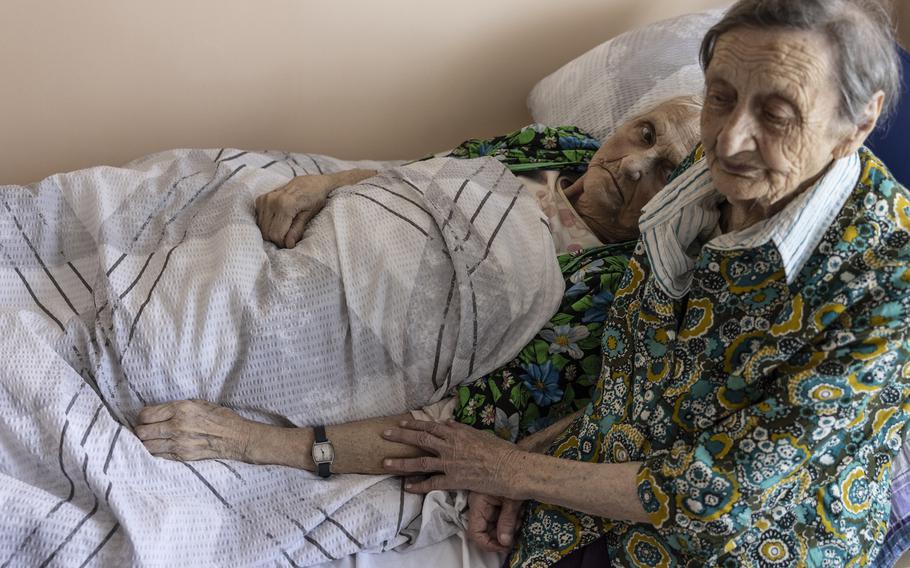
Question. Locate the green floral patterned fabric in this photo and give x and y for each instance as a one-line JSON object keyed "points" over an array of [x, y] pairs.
{"points": [[535, 147], [556, 373], [766, 414]]}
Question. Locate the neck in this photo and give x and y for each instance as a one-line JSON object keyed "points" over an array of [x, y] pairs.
{"points": [[739, 215]]}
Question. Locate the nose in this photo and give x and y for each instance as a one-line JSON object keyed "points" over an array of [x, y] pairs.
{"points": [[737, 134], [631, 168]]}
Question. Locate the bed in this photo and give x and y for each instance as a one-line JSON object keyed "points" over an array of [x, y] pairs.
{"points": [[84, 437]]}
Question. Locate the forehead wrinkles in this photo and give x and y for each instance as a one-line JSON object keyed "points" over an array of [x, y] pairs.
{"points": [[769, 64]]}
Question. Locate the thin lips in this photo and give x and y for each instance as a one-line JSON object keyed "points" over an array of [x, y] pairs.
{"points": [[736, 169]]}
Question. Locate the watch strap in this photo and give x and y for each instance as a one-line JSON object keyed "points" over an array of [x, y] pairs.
{"points": [[323, 469]]}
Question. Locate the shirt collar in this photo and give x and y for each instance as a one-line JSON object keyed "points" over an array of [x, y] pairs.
{"points": [[687, 209]]}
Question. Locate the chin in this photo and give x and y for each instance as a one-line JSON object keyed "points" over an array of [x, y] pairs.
{"points": [[738, 188]]}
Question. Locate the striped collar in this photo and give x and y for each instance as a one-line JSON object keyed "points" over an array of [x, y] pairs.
{"points": [[686, 213]]}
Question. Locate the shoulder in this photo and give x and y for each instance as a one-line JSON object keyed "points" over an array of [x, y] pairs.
{"points": [[864, 257], [876, 218]]}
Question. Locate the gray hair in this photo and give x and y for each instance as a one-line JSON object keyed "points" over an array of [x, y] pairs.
{"points": [[861, 32], [694, 102]]}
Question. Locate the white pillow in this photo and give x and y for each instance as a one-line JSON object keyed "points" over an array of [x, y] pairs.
{"points": [[625, 76]]}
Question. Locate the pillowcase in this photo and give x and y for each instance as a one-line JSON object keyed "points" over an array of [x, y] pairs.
{"points": [[625, 76]]}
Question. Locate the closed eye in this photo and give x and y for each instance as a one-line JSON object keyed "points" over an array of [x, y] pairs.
{"points": [[777, 118], [719, 94]]}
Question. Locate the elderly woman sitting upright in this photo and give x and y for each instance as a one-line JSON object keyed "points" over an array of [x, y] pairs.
{"points": [[756, 369]]}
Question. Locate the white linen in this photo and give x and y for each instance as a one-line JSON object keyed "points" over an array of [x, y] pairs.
{"points": [[138, 285], [454, 552], [600, 90], [569, 231]]}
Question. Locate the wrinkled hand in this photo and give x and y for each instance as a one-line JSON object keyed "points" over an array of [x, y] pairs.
{"points": [[282, 214], [493, 521], [465, 458], [191, 430]]}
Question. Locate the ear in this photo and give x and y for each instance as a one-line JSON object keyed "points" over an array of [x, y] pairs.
{"points": [[856, 134]]}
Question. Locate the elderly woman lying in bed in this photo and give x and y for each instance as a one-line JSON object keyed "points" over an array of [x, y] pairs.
{"points": [[756, 364], [590, 198]]}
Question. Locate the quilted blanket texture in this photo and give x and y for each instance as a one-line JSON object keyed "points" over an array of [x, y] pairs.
{"points": [[124, 287]]}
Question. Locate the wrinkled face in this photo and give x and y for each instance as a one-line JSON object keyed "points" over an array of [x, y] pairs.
{"points": [[632, 166], [771, 123]]}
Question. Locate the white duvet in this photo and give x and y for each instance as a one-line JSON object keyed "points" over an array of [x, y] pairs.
{"points": [[121, 287]]}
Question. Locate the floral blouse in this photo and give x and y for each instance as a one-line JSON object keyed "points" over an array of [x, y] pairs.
{"points": [[534, 148], [766, 415], [556, 373]]}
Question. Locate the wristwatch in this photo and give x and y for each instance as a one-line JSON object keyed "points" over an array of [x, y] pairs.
{"points": [[323, 452]]}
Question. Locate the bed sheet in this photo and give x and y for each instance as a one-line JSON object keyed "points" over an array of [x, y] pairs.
{"points": [[453, 552], [130, 286]]}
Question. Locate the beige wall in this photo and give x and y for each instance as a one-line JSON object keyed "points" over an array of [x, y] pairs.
{"points": [[104, 81], [903, 17]]}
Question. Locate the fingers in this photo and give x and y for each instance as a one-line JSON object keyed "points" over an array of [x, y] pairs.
{"points": [[435, 483], [169, 456], [295, 233], [482, 537], [482, 516], [168, 410], [265, 226], [264, 213], [425, 464], [271, 215], [260, 211], [423, 439], [157, 413], [508, 522], [280, 225], [184, 450], [436, 428], [275, 226], [282, 214], [193, 430], [485, 541], [158, 447], [156, 431]]}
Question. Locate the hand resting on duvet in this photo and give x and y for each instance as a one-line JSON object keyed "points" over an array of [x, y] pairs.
{"points": [[283, 214]]}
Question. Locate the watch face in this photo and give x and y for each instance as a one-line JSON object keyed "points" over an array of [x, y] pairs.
{"points": [[323, 452]]}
